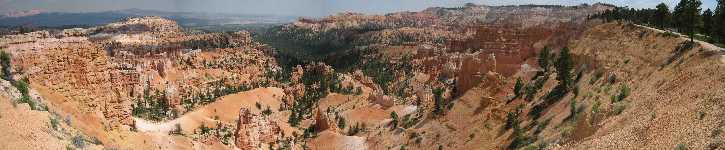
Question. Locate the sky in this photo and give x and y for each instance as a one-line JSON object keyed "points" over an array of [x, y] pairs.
{"points": [[293, 7]]}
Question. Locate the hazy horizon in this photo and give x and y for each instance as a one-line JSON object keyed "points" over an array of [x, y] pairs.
{"points": [[313, 8]]}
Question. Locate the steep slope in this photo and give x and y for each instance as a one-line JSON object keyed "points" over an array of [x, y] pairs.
{"points": [[25, 127], [676, 90], [638, 88]]}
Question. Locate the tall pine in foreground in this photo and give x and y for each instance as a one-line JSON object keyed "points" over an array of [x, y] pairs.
{"points": [[687, 16]]}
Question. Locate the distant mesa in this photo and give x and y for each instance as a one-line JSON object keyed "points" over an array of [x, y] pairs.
{"points": [[56, 19], [22, 13]]}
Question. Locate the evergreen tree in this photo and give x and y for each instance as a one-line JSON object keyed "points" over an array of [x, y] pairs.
{"points": [[5, 63], [687, 16], [662, 16], [707, 22], [718, 25], [394, 117], [438, 101], [517, 87], [563, 68], [543, 59]]}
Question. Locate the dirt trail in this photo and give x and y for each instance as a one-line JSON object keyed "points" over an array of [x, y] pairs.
{"points": [[705, 45]]}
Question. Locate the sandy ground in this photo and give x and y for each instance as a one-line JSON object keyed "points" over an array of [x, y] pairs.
{"points": [[329, 140], [23, 128]]}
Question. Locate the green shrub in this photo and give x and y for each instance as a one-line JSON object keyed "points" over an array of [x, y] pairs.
{"points": [[54, 123], [512, 118], [623, 92], [439, 103], [394, 117], [177, 130], [681, 147], [409, 121], [79, 142], [519, 139], [595, 107], [204, 129], [24, 89], [612, 78], [341, 122], [267, 111], [309, 132], [353, 130], [619, 108]]}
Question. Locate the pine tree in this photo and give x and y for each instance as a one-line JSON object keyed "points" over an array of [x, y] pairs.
{"points": [[707, 22], [394, 117], [5, 63], [687, 16], [517, 87], [718, 25], [662, 16], [563, 68], [543, 59]]}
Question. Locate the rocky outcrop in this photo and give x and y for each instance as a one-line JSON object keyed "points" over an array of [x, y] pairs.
{"points": [[253, 130], [473, 68], [103, 70], [323, 122], [77, 69]]}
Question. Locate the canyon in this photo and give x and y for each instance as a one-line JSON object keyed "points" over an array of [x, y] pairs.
{"points": [[470, 77]]}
